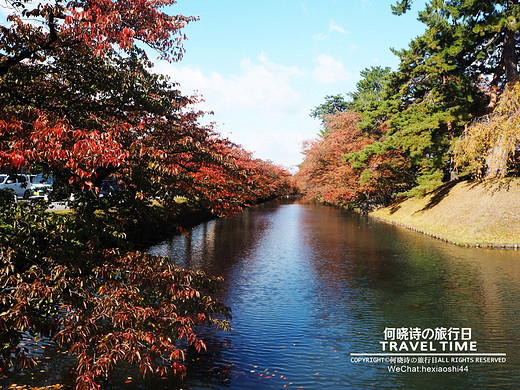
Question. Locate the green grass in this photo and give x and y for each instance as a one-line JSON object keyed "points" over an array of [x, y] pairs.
{"points": [[465, 213]]}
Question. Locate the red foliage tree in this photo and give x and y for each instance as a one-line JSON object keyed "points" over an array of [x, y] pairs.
{"points": [[324, 175], [103, 305], [77, 98]]}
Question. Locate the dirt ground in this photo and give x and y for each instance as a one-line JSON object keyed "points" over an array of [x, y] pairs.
{"points": [[465, 213]]}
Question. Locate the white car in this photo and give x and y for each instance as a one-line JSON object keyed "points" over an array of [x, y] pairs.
{"points": [[41, 186], [19, 184]]}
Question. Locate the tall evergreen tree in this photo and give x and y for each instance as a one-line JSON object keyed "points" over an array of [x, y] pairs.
{"points": [[452, 73], [372, 99], [482, 40], [447, 76], [332, 105]]}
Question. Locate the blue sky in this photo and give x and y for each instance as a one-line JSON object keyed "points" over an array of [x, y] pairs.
{"points": [[262, 66]]}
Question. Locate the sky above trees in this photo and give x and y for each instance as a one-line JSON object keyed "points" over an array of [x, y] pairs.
{"points": [[263, 66]]}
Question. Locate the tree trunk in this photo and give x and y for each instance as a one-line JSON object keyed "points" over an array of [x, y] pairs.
{"points": [[493, 93], [509, 57], [508, 63]]}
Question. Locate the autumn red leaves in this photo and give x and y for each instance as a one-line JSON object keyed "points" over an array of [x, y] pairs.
{"points": [[327, 175], [78, 100], [79, 97]]}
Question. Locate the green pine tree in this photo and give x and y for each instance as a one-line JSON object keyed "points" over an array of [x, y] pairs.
{"points": [[447, 76]]}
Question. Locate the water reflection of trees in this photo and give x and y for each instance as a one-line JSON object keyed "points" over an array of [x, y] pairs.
{"points": [[413, 272], [218, 247], [215, 246], [380, 276], [369, 276]]}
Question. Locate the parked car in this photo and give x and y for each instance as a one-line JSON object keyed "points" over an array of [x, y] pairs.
{"points": [[19, 184], [110, 186], [41, 186]]}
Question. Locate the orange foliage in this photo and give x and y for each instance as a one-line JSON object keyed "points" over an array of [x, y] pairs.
{"points": [[324, 175]]}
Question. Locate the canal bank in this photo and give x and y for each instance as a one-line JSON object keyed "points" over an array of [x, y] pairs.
{"points": [[313, 291], [463, 213]]}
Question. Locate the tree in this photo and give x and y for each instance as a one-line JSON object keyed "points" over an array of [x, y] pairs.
{"points": [[323, 175], [333, 104], [489, 146], [355, 166], [89, 110], [65, 279], [78, 99], [370, 88], [63, 85], [102, 26], [449, 74], [447, 77], [369, 99], [477, 38], [441, 83], [373, 100]]}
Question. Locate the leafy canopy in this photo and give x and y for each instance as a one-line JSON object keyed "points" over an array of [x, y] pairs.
{"points": [[448, 76], [78, 99]]}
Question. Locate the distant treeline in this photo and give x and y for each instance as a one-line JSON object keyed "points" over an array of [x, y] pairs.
{"points": [[450, 111]]}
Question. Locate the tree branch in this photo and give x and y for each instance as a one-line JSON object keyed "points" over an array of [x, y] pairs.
{"points": [[8, 62]]}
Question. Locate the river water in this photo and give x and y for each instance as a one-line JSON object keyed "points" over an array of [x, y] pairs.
{"points": [[315, 292]]}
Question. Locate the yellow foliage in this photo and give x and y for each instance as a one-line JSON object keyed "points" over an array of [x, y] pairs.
{"points": [[489, 144]]}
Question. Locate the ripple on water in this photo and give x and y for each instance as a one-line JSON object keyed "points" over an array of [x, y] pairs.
{"points": [[310, 285]]}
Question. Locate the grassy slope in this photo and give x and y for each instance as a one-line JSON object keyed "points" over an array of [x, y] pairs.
{"points": [[464, 213]]}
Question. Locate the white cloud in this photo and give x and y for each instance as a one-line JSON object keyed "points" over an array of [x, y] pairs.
{"points": [[261, 84], [290, 71], [330, 70], [334, 27], [258, 107], [320, 37]]}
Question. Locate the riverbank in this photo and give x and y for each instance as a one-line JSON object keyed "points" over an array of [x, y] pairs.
{"points": [[463, 213]]}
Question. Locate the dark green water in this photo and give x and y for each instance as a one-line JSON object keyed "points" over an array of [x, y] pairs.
{"points": [[311, 285]]}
